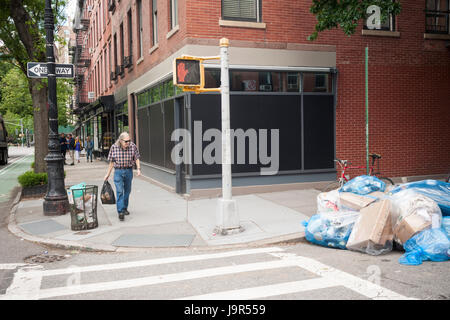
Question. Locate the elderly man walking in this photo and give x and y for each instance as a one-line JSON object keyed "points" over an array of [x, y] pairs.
{"points": [[123, 155]]}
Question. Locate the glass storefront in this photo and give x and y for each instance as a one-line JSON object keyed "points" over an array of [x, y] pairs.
{"points": [[121, 116]]}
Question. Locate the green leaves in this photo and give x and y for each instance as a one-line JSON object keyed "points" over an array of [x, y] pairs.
{"points": [[346, 14]]}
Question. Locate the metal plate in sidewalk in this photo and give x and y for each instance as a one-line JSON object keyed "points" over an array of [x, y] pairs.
{"points": [[42, 227], [154, 240]]}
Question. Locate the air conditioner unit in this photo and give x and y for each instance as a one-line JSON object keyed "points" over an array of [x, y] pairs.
{"points": [[91, 50], [265, 87], [89, 8], [292, 86], [91, 95]]}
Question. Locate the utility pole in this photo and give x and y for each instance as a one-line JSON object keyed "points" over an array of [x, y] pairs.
{"points": [[55, 201], [227, 212]]}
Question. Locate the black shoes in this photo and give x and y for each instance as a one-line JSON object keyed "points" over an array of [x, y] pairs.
{"points": [[123, 214]]}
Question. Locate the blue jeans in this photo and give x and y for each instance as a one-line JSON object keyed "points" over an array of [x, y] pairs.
{"points": [[88, 154], [122, 180]]}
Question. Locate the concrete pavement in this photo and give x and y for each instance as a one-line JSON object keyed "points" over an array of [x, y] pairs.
{"points": [[161, 218]]}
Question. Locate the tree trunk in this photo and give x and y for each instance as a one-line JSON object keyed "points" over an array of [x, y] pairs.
{"points": [[40, 113]]}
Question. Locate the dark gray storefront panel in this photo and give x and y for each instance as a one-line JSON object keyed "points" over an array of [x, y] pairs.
{"points": [[318, 112], [169, 127], [257, 112], [156, 135], [144, 137]]}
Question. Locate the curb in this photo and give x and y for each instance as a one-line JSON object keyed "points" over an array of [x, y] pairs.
{"points": [[72, 245], [58, 244]]}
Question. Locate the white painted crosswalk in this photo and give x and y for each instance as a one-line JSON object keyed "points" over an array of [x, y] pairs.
{"points": [[28, 280]]}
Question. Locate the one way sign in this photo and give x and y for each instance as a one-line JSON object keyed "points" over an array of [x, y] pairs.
{"points": [[39, 70]]}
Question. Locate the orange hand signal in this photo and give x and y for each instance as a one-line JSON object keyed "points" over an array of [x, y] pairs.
{"points": [[182, 72]]}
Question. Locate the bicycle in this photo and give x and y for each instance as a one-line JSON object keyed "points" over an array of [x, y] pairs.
{"points": [[345, 164]]}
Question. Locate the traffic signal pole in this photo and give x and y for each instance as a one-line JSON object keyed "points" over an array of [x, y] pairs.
{"points": [[55, 201], [227, 217], [188, 72]]}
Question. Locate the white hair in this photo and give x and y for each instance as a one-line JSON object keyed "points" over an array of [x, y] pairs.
{"points": [[121, 136]]}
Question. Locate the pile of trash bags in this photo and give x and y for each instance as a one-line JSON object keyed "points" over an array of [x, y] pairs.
{"points": [[367, 216]]}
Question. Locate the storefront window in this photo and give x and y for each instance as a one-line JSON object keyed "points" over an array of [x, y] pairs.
{"points": [[157, 93], [317, 82], [121, 118]]}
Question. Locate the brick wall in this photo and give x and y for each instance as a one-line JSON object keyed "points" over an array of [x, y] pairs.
{"points": [[409, 77]]}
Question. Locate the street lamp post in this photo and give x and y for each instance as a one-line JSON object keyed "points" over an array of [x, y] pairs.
{"points": [[55, 201]]}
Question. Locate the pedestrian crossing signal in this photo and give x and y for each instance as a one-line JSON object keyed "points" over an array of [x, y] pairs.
{"points": [[188, 72]]}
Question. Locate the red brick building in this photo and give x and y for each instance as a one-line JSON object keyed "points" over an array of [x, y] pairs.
{"points": [[313, 92]]}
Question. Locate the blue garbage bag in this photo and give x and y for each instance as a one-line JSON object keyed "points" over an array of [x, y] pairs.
{"points": [[363, 185], [430, 244], [330, 229], [437, 190], [446, 225]]}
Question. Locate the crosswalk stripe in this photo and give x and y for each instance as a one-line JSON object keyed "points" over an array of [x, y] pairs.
{"points": [[267, 291], [25, 286], [361, 286], [153, 262], [11, 266], [159, 279]]}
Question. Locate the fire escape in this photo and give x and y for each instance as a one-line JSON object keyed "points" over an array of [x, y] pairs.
{"points": [[81, 60]]}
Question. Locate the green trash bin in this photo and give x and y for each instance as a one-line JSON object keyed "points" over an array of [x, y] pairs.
{"points": [[83, 206]]}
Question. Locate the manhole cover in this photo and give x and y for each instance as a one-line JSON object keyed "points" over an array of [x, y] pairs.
{"points": [[44, 258]]}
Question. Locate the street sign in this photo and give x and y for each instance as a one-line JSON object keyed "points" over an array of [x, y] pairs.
{"points": [[39, 70]]}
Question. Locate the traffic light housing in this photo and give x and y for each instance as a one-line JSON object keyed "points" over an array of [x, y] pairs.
{"points": [[188, 72]]}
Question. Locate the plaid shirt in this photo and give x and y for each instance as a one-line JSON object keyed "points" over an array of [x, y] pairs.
{"points": [[123, 158]]}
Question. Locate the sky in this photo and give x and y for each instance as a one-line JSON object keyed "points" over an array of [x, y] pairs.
{"points": [[70, 11]]}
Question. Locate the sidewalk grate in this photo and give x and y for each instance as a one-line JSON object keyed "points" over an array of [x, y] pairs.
{"points": [[44, 258]]}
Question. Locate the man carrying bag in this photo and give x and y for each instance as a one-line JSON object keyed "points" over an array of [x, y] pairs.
{"points": [[122, 157]]}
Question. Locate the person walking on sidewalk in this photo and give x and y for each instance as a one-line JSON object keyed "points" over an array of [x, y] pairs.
{"points": [[123, 155], [89, 148], [63, 143], [78, 147], [71, 146]]}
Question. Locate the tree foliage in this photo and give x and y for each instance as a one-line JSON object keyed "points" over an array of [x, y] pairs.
{"points": [[345, 14], [22, 40], [15, 97]]}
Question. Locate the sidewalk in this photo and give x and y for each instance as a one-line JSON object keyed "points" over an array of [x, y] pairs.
{"points": [[160, 218]]}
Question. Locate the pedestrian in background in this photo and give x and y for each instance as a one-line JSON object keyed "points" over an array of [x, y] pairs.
{"points": [[123, 155], [63, 144], [71, 147], [78, 148], [89, 147]]}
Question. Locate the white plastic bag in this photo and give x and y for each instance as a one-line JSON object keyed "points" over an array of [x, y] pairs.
{"points": [[328, 201]]}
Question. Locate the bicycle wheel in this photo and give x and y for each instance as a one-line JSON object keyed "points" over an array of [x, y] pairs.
{"points": [[386, 180], [331, 186]]}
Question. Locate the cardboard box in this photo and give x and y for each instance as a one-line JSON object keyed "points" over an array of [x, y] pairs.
{"points": [[373, 227], [409, 226], [356, 201]]}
